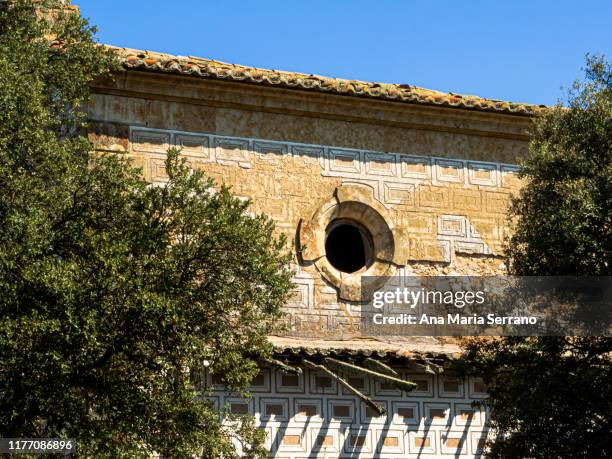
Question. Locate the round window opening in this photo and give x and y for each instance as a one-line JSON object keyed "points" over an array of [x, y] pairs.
{"points": [[348, 246]]}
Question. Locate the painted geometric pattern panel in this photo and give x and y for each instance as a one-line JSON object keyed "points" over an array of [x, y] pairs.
{"points": [[311, 416]]}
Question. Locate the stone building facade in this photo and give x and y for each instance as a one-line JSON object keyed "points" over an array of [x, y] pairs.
{"points": [[419, 180]]}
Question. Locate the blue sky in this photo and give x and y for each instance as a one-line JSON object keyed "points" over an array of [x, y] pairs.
{"points": [[518, 50]]}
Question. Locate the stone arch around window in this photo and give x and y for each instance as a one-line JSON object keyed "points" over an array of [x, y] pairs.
{"points": [[352, 206]]}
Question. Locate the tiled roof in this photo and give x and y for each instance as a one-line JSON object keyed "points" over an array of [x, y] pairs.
{"points": [[134, 59], [395, 347]]}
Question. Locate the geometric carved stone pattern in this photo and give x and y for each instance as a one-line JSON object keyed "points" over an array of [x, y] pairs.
{"points": [[347, 163], [460, 236], [310, 416], [438, 207]]}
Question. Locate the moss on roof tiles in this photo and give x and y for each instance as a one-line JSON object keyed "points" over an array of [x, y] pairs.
{"points": [[134, 59]]}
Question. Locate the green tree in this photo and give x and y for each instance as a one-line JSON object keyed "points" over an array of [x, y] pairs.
{"points": [[113, 293], [550, 396]]}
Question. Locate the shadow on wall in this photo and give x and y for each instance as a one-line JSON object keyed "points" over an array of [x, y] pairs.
{"points": [[311, 417]]}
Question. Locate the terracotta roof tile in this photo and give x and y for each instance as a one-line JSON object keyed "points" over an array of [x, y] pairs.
{"points": [[409, 347], [134, 59]]}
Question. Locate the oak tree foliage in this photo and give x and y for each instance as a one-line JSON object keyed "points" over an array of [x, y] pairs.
{"points": [[550, 396], [114, 292]]}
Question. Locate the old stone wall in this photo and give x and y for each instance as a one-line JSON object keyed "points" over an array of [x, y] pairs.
{"points": [[441, 178]]}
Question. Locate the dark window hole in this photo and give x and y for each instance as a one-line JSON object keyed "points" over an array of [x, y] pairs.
{"points": [[348, 246]]}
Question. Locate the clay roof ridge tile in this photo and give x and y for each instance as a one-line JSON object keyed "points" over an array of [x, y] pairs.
{"points": [[189, 65]]}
